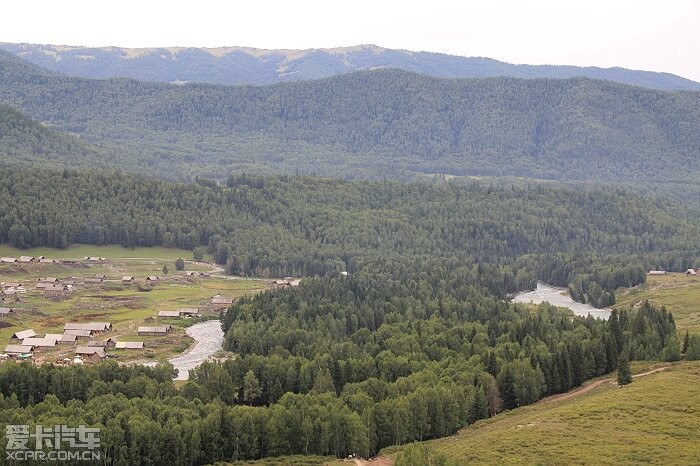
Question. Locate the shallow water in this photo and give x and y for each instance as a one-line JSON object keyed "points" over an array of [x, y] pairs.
{"points": [[559, 297], [208, 338]]}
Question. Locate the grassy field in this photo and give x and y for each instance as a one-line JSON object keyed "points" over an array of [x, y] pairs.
{"points": [[126, 306], [679, 292], [654, 420], [110, 252]]}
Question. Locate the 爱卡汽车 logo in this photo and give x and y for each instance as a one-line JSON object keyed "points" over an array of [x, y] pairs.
{"points": [[52, 443]]}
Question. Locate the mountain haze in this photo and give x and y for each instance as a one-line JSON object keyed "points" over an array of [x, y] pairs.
{"points": [[245, 65], [374, 124]]}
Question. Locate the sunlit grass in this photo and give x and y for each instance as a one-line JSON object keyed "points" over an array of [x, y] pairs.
{"points": [[126, 306], [79, 251], [679, 292], [654, 420]]}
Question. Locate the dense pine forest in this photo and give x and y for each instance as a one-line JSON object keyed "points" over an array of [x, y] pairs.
{"points": [[593, 240], [384, 123], [25, 141], [427, 354], [402, 327]]}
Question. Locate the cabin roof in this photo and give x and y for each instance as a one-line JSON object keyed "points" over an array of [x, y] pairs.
{"points": [[129, 345], [18, 349], [39, 342], [24, 334]]}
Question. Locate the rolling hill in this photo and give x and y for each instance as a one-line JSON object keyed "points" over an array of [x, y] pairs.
{"points": [[383, 123], [244, 65], [24, 140], [374, 124], [652, 421]]}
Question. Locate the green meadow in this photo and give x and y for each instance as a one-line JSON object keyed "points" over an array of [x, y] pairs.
{"points": [[126, 306], [110, 252], [654, 420], [680, 293]]}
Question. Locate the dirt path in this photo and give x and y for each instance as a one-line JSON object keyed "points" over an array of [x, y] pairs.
{"points": [[593, 385], [215, 271], [384, 461], [653, 371]]}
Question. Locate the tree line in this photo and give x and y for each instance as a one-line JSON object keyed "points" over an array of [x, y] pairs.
{"points": [[423, 373], [590, 240]]}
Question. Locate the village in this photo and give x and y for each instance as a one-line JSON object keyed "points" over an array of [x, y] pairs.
{"points": [[81, 311]]}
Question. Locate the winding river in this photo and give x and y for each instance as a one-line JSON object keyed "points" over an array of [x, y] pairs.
{"points": [[559, 297], [208, 338]]}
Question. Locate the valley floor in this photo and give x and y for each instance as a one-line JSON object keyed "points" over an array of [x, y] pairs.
{"points": [[126, 305]]}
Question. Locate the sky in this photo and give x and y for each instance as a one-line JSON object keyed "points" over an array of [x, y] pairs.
{"points": [[642, 34]]}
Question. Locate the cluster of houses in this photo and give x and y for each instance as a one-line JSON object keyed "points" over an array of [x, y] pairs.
{"points": [[84, 338], [218, 303], [42, 259], [12, 288], [53, 285], [691, 272], [130, 280], [49, 285], [25, 343], [286, 282], [25, 260]]}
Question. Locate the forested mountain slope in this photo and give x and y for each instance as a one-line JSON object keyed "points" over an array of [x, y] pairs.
{"points": [[23, 140], [375, 124], [306, 226], [416, 342], [243, 65]]}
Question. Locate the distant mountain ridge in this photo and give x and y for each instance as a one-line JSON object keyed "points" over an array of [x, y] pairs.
{"points": [[373, 124], [245, 65]]}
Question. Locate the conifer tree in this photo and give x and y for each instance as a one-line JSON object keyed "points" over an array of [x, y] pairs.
{"points": [[672, 350], [693, 353], [179, 264], [624, 376], [251, 387]]}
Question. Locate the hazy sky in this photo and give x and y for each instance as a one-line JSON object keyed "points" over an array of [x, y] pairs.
{"points": [[662, 35]]}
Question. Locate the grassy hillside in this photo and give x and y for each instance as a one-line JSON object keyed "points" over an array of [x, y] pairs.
{"points": [[679, 292], [242, 65], [653, 421], [383, 123]]}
